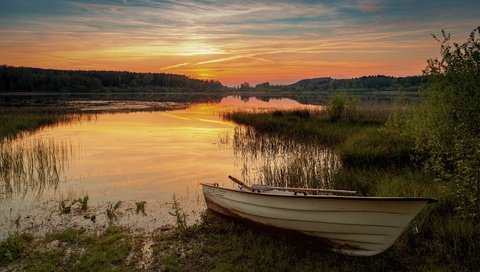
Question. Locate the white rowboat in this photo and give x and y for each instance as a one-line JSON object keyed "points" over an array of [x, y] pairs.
{"points": [[352, 225]]}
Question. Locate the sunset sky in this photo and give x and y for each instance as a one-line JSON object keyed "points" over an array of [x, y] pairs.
{"points": [[232, 41]]}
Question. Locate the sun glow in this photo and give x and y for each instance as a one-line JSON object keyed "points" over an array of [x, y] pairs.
{"points": [[203, 74], [230, 41]]}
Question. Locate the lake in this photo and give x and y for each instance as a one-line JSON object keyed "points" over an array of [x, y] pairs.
{"points": [[132, 157]]}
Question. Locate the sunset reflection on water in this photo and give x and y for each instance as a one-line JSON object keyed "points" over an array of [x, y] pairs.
{"points": [[149, 156]]}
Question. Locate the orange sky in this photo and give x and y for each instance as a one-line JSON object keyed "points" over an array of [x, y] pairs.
{"points": [[232, 41]]}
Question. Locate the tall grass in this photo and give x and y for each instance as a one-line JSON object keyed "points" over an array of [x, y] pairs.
{"points": [[304, 125], [280, 161], [375, 160], [15, 121], [377, 147], [31, 166]]}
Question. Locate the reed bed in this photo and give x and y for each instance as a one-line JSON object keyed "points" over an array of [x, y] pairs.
{"points": [[309, 126], [17, 121], [373, 159], [279, 161], [31, 166]]}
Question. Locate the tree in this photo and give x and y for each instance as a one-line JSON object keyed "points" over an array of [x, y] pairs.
{"points": [[245, 86], [447, 125]]}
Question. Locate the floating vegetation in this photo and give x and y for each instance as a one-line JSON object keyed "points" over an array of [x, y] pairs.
{"points": [[112, 210], [279, 161], [140, 207], [65, 207], [31, 166], [178, 213], [83, 202]]}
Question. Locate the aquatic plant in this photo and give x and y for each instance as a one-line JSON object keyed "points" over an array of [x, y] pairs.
{"points": [[140, 207], [281, 161], [83, 202], [178, 213], [29, 166], [65, 206], [112, 210]]}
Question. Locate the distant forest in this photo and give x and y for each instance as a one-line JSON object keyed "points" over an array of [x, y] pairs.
{"points": [[27, 79], [366, 83], [24, 79]]}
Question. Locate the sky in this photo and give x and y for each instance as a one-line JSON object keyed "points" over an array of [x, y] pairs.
{"points": [[279, 42]]}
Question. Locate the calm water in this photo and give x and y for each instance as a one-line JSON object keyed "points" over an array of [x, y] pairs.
{"points": [[142, 156]]}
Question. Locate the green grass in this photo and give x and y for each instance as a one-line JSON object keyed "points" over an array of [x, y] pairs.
{"points": [[14, 121], [221, 244], [304, 125], [216, 243], [14, 247], [72, 250], [377, 160], [377, 148]]}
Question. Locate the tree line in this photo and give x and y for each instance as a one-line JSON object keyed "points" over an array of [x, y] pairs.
{"points": [[366, 83], [37, 79]]}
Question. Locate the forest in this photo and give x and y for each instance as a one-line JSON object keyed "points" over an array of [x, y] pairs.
{"points": [[365, 83], [27, 79]]}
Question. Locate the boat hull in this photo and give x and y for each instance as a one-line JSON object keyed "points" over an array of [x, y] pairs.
{"points": [[359, 226]]}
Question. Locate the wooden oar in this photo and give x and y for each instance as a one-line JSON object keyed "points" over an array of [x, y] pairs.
{"points": [[239, 182], [300, 190], [334, 191]]}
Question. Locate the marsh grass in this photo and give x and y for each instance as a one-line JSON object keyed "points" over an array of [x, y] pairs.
{"points": [[17, 121], [140, 207], [112, 210], [375, 159], [222, 244], [70, 250], [13, 247], [82, 202], [279, 161], [178, 213], [377, 148], [31, 166]]}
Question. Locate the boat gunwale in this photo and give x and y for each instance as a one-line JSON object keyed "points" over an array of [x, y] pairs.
{"points": [[342, 197]]}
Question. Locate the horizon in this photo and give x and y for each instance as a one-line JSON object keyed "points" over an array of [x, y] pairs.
{"points": [[233, 86], [249, 41]]}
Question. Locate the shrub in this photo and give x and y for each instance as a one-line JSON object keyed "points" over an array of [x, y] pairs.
{"points": [[446, 126]]}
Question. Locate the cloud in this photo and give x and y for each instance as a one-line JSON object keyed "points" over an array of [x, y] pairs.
{"points": [[370, 5], [226, 39]]}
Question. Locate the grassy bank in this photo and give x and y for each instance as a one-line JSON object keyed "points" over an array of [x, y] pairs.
{"points": [[305, 125], [14, 121], [220, 244], [378, 160]]}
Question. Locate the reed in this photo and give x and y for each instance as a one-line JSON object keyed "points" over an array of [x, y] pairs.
{"points": [[304, 125], [112, 211], [140, 207], [31, 166], [280, 161], [16, 121], [373, 159], [377, 147]]}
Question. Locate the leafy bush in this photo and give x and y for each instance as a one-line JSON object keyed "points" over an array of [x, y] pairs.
{"points": [[342, 107], [446, 127]]}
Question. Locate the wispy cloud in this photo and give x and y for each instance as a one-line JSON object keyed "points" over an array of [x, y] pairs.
{"points": [[233, 41]]}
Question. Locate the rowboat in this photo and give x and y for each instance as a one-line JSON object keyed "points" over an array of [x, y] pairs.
{"points": [[347, 224]]}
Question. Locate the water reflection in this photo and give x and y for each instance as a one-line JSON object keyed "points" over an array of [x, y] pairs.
{"points": [[149, 156]]}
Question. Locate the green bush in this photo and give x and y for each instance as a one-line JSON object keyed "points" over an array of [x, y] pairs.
{"points": [[446, 126]]}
